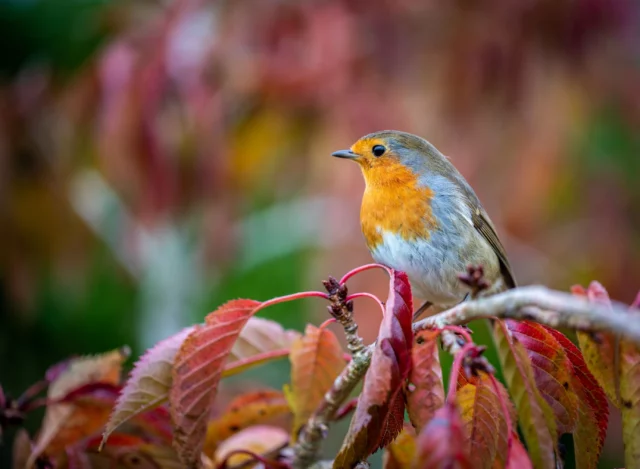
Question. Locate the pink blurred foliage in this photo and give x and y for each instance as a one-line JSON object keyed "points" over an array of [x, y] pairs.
{"points": [[197, 107]]}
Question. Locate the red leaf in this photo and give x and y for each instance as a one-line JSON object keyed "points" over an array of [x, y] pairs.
{"points": [[377, 420], [398, 316], [593, 409], [425, 391], [534, 414], [198, 367], [439, 443], [552, 371], [395, 420], [518, 457], [154, 423], [149, 382]]}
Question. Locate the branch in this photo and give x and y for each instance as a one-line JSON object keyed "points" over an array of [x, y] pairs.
{"points": [[545, 306]]}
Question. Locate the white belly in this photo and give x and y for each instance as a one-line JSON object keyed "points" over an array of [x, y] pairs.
{"points": [[433, 265]]}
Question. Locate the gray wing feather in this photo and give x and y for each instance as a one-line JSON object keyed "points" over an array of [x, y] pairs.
{"points": [[483, 224]]}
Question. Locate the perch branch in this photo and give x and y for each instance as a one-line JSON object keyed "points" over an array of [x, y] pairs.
{"points": [[540, 304]]}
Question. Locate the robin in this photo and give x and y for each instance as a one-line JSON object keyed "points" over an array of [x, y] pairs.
{"points": [[419, 215]]}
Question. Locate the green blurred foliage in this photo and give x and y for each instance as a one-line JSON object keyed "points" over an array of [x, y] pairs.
{"points": [[61, 34]]}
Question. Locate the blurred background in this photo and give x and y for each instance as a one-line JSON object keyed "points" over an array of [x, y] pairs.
{"points": [[158, 158]]}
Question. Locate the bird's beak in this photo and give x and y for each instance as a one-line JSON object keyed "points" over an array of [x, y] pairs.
{"points": [[345, 154]]}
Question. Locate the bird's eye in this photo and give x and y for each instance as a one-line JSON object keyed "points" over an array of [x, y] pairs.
{"points": [[378, 150]]}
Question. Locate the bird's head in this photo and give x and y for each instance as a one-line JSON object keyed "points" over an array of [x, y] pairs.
{"points": [[389, 156]]}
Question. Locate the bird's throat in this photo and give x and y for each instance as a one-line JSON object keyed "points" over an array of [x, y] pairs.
{"points": [[394, 202]]}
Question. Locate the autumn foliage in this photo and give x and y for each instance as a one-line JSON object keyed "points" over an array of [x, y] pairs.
{"points": [[167, 412]]}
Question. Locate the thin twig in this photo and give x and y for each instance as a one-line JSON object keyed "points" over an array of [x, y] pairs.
{"points": [[342, 309], [545, 306], [371, 296], [360, 269]]}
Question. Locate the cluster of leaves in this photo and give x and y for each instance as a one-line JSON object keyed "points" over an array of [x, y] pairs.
{"points": [[81, 395], [167, 413]]}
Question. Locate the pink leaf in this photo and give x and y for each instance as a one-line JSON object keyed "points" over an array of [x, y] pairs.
{"points": [[149, 382]]}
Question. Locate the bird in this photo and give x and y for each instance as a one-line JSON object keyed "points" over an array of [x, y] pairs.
{"points": [[419, 215]]}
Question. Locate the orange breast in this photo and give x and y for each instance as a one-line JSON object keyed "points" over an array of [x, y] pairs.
{"points": [[393, 201]]}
